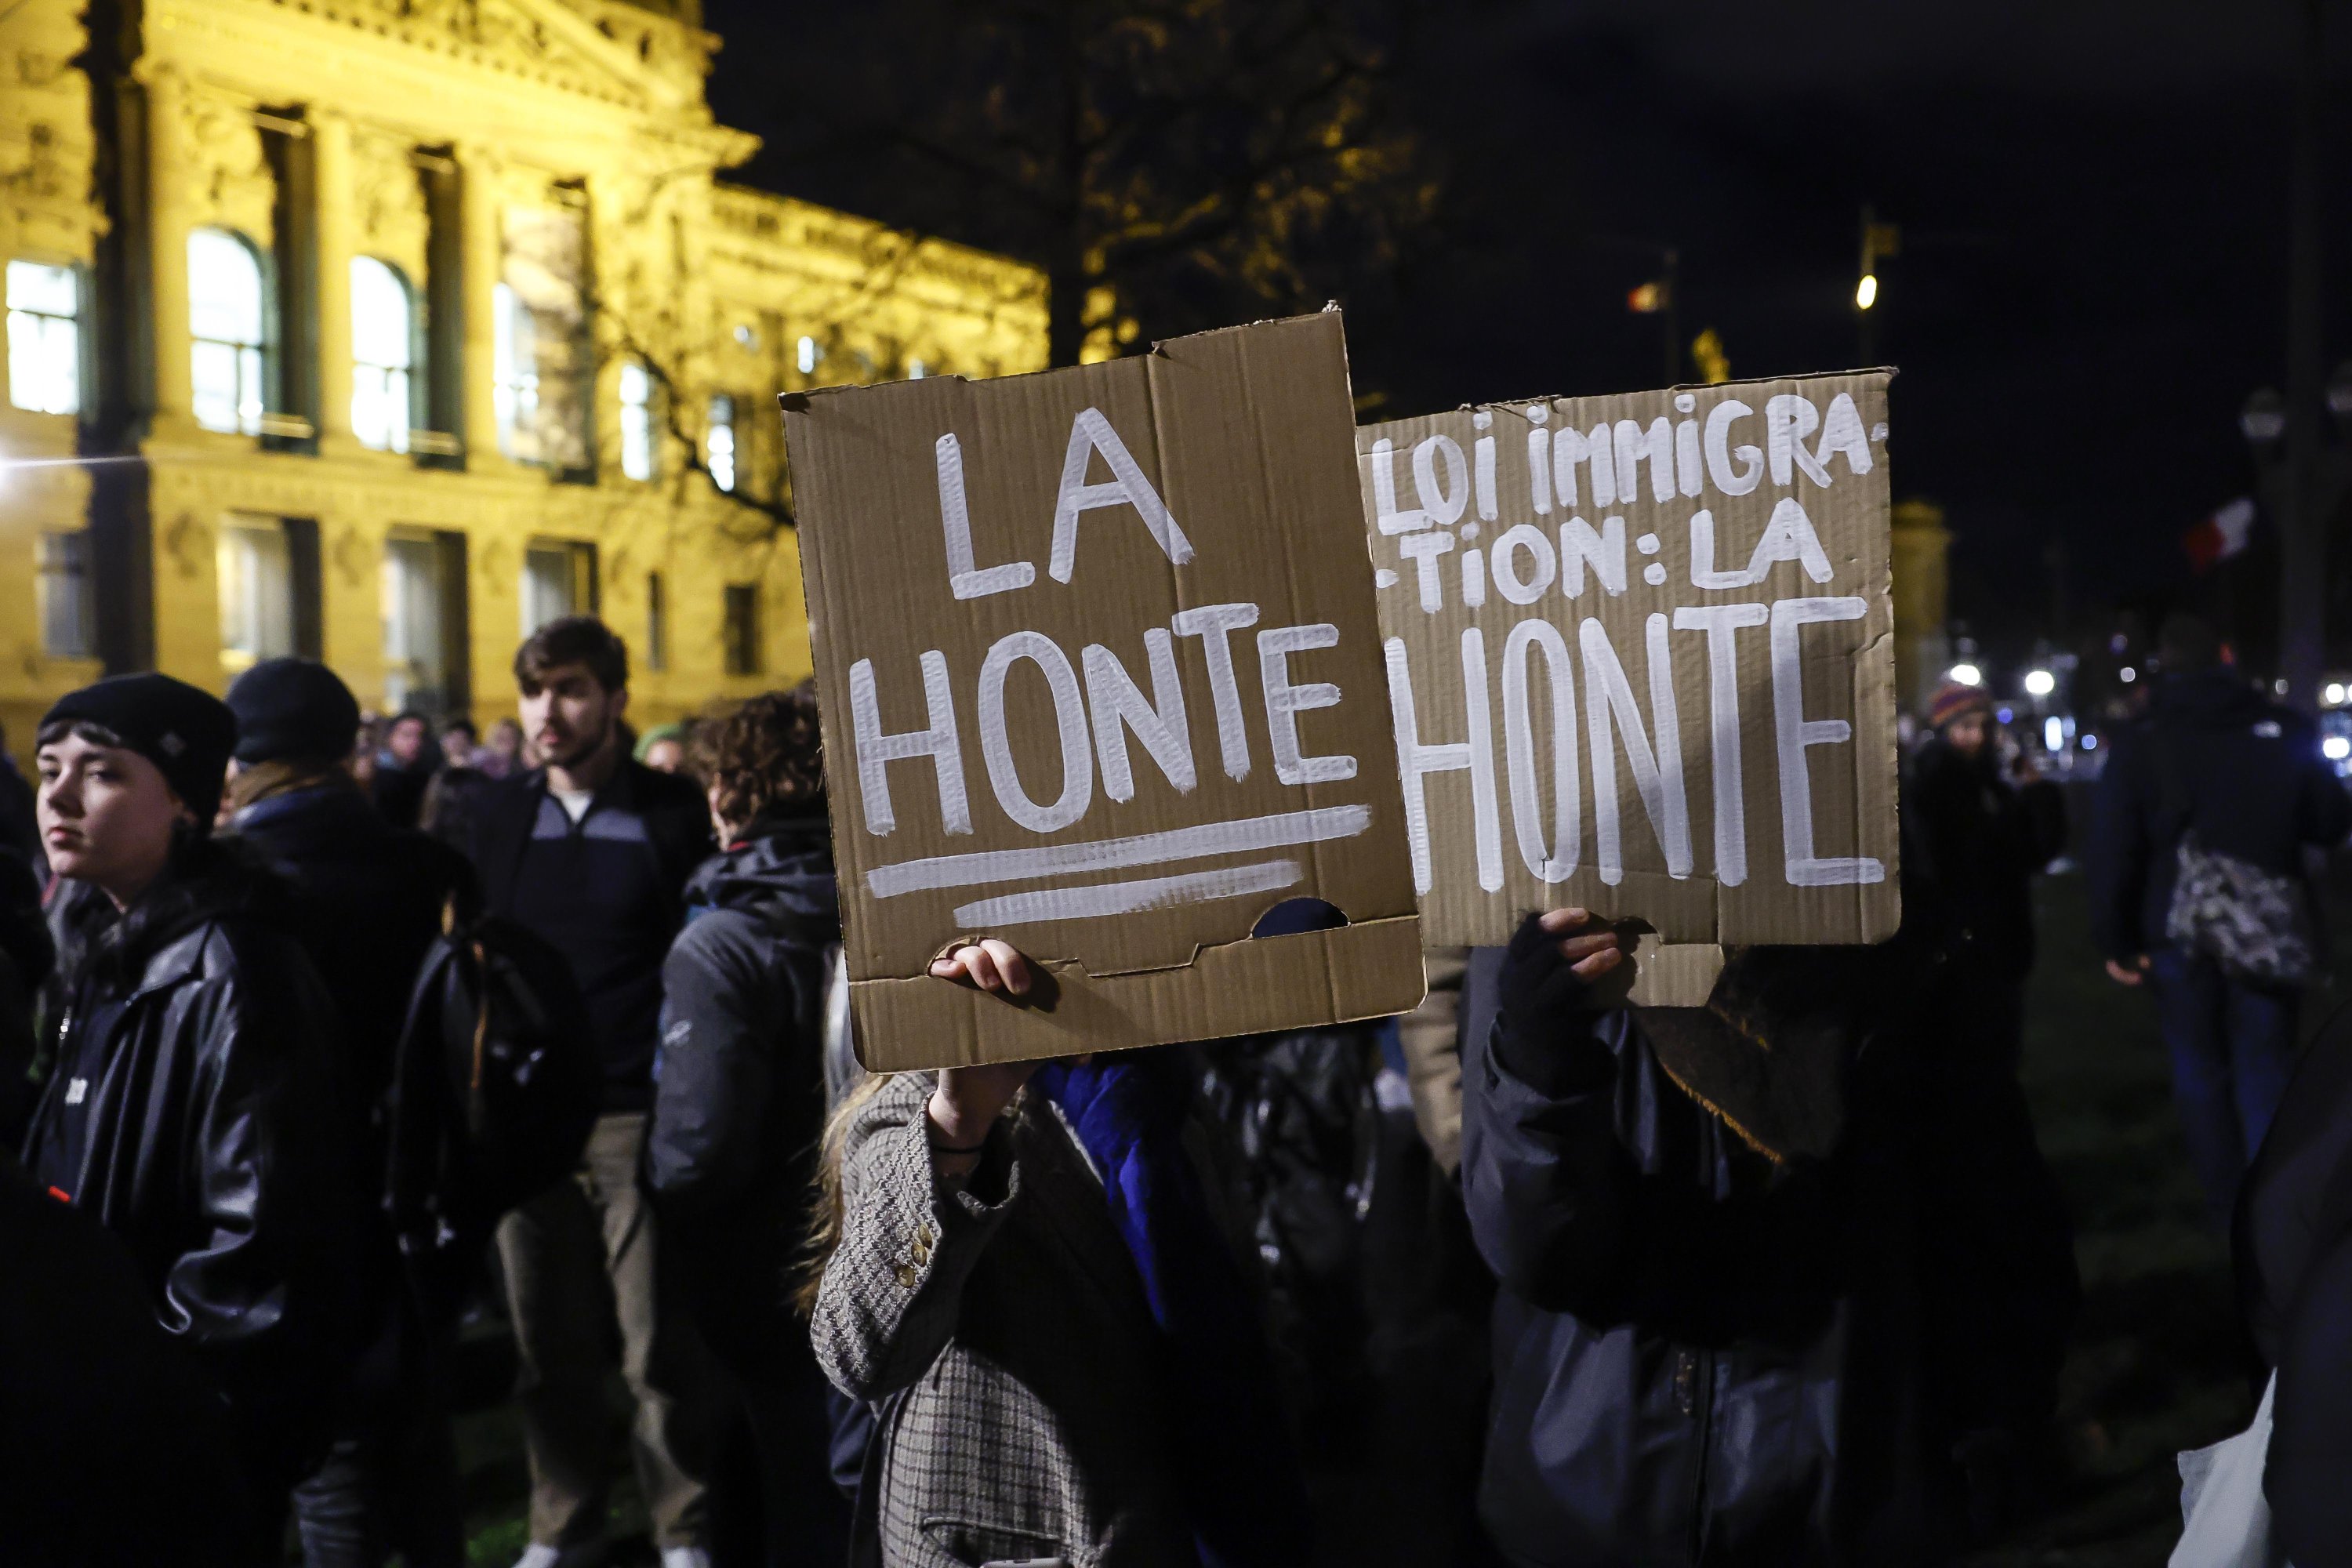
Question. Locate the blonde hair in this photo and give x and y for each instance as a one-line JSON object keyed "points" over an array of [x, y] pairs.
{"points": [[825, 1213]]}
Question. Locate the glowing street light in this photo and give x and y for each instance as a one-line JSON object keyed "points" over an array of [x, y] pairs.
{"points": [[2040, 683], [2335, 748], [1865, 293], [1966, 674], [2334, 694]]}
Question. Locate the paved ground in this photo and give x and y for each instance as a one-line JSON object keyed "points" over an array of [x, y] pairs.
{"points": [[2155, 1366]]}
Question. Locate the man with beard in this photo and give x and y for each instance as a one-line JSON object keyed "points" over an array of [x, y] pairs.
{"points": [[1982, 841], [592, 852]]}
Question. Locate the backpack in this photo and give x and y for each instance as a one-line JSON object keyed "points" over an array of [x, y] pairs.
{"points": [[496, 1087], [2255, 925]]}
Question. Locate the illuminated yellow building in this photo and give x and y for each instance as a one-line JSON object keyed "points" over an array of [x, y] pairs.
{"points": [[384, 330]]}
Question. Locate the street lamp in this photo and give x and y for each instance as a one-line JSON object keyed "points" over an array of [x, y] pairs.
{"points": [[2040, 683], [1966, 674], [1865, 293]]}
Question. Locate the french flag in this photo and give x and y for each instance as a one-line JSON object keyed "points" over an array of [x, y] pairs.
{"points": [[2219, 536]]}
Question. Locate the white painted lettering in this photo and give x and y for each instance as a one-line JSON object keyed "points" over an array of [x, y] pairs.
{"points": [[1792, 733], [1091, 433], [1118, 707], [1069, 720], [1286, 701], [1656, 757], [1211, 623], [875, 750], [965, 579]]}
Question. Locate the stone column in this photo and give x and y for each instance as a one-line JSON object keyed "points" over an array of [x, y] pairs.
{"points": [[331, 179], [481, 250], [172, 174]]}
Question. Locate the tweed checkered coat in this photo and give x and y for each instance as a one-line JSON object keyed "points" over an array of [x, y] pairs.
{"points": [[1013, 1319]]}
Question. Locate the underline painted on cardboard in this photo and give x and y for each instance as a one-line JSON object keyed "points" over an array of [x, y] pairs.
{"points": [[1558, 637], [1105, 617], [1197, 843], [1107, 898]]}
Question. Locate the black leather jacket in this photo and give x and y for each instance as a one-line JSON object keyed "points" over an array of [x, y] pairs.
{"points": [[214, 1141]]}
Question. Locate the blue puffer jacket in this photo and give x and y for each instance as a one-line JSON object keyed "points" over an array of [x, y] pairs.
{"points": [[1705, 1355]]}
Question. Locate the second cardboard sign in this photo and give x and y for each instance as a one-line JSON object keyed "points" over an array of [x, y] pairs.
{"points": [[1100, 674], [1640, 660]]}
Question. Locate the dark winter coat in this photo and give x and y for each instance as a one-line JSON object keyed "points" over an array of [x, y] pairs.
{"points": [[2294, 1245], [368, 901], [1305, 1124], [2254, 787], [607, 891], [1704, 1355], [114, 1451], [1984, 840], [27, 952], [739, 1082], [215, 1145]]}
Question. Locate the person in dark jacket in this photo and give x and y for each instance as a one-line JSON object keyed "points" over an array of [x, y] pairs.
{"points": [[369, 899], [592, 852], [2245, 776], [115, 1450], [1984, 840], [404, 769], [27, 952], [192, 1106], [739, 1107], [2293, 1242], [18, 829], [1782, 1277]]}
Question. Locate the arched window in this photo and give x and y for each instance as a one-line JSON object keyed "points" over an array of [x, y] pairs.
{"points": [[383, 354], [226, 312]]}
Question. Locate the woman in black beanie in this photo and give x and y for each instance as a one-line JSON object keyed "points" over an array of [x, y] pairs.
{"points": [[189, 1103]]}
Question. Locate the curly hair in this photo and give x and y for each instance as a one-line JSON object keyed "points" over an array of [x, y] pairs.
{"points": [[765, 757]]}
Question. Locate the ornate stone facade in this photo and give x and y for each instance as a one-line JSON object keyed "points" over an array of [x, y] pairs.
{"points": [[438, 137]]}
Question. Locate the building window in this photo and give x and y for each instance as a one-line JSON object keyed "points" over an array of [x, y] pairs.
{"points": [[514, 368], [383, 354], [424, 622], [810, 354], [917, 370], [268, 570], [542, 367], [637, 421], [44, 338], [719, 446], [227, 313], [68, 612], [744, 650], [656, 623], [559, 579]]}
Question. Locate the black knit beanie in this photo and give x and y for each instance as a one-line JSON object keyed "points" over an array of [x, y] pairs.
{"points": [[187, 733], [293, 707]]}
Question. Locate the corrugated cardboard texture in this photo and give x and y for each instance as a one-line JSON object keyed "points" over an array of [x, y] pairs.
{"points": [[1050, 566], [1693, 583]]}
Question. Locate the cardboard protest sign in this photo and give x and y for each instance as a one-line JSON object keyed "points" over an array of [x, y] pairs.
{"points": [[1641, 658], [1100, 673]]}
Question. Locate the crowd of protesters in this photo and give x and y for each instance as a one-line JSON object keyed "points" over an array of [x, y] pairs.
{"points": [[1783, 1278]]}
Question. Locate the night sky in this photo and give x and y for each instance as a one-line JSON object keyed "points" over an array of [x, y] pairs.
{"points": [[2092, 200]]}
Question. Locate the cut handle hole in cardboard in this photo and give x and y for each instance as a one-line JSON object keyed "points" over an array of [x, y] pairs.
{"points": [[1295, 917]]}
